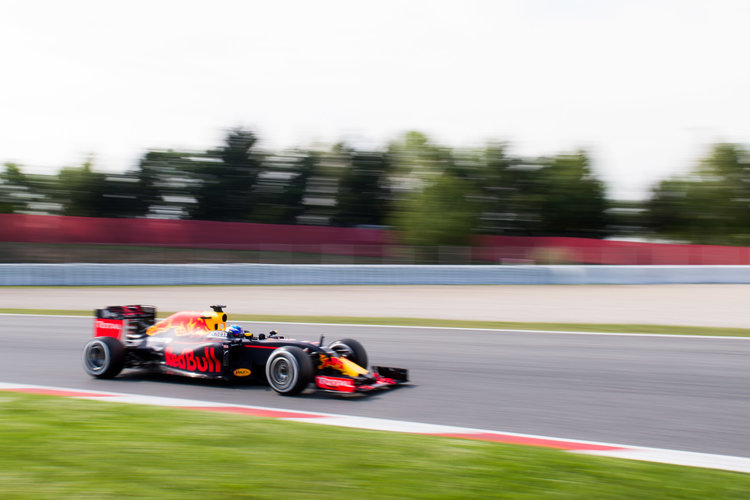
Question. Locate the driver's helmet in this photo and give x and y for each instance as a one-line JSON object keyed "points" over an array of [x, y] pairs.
{"points": [[234, 331]]}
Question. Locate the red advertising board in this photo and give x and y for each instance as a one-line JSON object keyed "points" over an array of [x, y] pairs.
{"points": [[348, 241]]}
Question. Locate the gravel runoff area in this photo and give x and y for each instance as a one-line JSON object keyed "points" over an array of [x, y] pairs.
{"points": [[696, 305]]}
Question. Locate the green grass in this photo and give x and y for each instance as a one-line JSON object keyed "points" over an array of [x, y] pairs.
{"points": [[65, 448], [492, 325]]}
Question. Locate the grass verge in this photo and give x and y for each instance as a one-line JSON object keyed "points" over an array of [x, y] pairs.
{"points": [[451, 323], [66, 448]]}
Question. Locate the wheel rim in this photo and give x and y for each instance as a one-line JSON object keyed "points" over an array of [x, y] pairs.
{"points": [[96, 357], [282, 373]]}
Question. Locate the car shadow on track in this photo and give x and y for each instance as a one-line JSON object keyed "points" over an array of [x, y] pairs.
{"points": [[311, 392]]}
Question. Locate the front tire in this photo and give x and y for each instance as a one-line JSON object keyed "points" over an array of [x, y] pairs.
{"points": [[103, 357], [351, 350], [289, 370]]}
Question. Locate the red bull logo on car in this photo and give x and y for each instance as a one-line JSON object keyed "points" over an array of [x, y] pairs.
{"points": [[203, 360]]}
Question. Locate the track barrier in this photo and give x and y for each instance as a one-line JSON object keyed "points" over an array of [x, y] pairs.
{"points": [[324, 274]]}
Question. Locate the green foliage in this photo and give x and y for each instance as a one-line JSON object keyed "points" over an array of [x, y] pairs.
{"points": [[557, 196], [14, 188], [84, 189], [568, 199], [167, 178], [226, 178], [13, 175], [279, 193], [318, 204], [416, 159], [440, 214], [433, 194], [363, 196], [506, 186], [86, 193], [712, 205], [68, 448]]}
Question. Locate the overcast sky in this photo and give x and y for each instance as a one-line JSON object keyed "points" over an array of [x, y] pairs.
{"points": [[643, 86]]}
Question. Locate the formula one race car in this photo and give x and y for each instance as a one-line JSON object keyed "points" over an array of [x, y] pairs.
{"points": [[199, 344]]}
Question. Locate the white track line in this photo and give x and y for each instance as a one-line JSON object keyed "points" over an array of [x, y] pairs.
{"points": [[506, 330], [503, 330], [677, 457]]}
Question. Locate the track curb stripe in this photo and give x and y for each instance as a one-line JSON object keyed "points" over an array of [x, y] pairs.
{"points": [[254, 412], [57, 392], [533, 441], [676, 457]]}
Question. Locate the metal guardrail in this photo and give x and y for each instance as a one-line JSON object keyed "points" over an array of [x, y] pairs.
{"points": [[322, 274]]}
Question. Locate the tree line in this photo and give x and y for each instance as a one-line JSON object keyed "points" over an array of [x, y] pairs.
{"points": [[431, 194]]}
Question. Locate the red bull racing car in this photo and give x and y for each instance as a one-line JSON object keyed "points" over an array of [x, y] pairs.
{"points": [[199, 344]]}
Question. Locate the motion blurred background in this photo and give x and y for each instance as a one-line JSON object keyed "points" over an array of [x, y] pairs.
{"points": [[434, 132]]}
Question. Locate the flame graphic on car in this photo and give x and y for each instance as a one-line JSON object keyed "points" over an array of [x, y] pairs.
{"points": [[187, 323], [342, 365]]}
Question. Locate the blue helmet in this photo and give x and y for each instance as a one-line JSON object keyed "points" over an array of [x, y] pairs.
{"points": [[234, 331]]}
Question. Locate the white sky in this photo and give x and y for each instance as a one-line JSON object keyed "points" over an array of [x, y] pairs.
{"points": [[643, 85]]}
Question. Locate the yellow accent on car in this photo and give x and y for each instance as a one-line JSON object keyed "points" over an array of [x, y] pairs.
{"points": [[342, 365], [352, 369]]}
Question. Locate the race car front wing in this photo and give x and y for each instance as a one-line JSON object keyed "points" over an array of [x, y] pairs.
{"points": [[382, 377]]}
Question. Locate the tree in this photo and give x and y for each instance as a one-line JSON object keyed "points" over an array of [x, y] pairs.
{"points": [[415, 160], [434, 198], [13, 175], [711, 205], [504, 186], [279, 192], [558, 196], [226, 179], [82, 191], [440, 214], [86, 193], [14, 189], [570, 201], [363, 196], [167, 180]]}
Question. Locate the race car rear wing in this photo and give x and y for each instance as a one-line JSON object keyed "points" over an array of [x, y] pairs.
{"points": [[123, 322]]}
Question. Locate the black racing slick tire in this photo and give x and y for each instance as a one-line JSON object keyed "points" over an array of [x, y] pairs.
{"points": [[103, 357], [289, 370], [351, 350]]}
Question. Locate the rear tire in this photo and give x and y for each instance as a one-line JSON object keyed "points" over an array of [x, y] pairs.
{"points": [[103, 357], [351, 350], [289, 370]]}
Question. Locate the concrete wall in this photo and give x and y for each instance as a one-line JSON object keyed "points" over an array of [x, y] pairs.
{"points": [[290, 274]]}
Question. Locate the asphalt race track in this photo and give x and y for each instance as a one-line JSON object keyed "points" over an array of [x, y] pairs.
{"points": [[682, 393]]}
